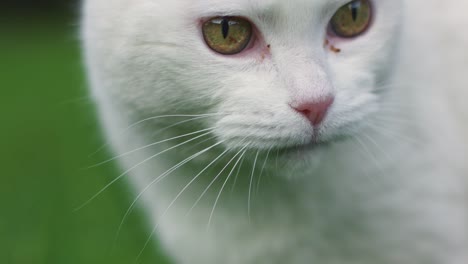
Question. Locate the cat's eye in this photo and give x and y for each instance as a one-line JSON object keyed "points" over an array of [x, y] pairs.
{"points": [[227, 35], [352, 19]]}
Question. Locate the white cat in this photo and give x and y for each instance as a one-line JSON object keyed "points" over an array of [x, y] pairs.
{"points": [[301, 131]]}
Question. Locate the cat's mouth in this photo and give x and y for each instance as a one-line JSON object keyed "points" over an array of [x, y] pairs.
{"points": [[311, 146], [316, 144]]}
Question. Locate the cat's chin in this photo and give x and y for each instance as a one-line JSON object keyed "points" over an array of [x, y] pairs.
{"points": [[310, 147], [313, 143], [306, 149]]}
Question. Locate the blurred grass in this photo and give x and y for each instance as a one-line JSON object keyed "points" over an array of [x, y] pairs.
{"points": [[48, 129]]}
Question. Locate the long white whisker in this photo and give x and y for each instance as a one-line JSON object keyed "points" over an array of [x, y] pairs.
{"points": [[164, 175], [251, 182], [362, 154], [148, 240], [382, 129], [237, 174], [224, 185], [148, 146], [276, 161], [166, 116], [211, 183], [372, 156], [160, 178], [135, 166], [391, 118], [378, 146], [195, 178], [196, 145], [154, 118], [261, 172], [179, 123]]}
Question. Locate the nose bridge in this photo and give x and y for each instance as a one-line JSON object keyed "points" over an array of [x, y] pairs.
{"points": [[304, 75], [310, 90], [309, 82]]}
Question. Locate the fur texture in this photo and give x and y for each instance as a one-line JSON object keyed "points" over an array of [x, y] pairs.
{"points": [[385, 179]]}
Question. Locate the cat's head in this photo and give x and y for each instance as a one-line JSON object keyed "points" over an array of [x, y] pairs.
{"points": [[273, 73]]}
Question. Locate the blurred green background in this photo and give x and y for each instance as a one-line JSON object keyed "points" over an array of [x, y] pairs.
{"points": [[48, 131]]}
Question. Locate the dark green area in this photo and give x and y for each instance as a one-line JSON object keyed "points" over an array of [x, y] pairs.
{"points": [[48, 130]]}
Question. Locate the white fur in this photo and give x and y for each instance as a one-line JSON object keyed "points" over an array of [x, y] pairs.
{"points": [[389, 184]]}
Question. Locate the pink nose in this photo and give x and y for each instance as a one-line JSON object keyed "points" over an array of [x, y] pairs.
{"points": [[315, 111]]}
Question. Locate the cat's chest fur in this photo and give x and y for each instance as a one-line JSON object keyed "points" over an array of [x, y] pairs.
{"points": [[396, 194]]}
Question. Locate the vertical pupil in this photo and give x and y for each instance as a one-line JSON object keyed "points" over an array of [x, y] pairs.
{"points": [[225, 27], [355, 6]]}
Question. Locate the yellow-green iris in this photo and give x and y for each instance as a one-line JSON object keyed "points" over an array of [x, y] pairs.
{"points": [[227, 35], [352, 19]]}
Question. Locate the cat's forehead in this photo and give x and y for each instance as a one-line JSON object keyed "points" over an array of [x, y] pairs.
{"points": [[268, 4], [296, 12], [267, 7]]}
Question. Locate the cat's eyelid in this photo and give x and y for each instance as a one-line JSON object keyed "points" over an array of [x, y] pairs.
{"points": [[206, 15]]}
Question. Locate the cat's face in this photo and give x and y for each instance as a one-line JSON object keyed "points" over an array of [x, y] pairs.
{"points": [[152, 58]]}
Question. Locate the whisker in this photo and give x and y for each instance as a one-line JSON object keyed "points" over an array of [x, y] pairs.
{"points": [[378, 146], [383, 130], [237, 174], [372, 156], [224, 184], [169, 116], [196, 177], [397, 107], [261, 171], [363, 155], [178, 195], [393, 118], [391, 137], [250, 184], [164, 175], [148, 146], [198, 144], [154, 118], [179, 123], [148, 240], [210, 184], [135, 166], [276, 161]]}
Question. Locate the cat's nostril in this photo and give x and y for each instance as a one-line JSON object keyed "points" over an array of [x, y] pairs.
{"points": [[315, 111]]}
